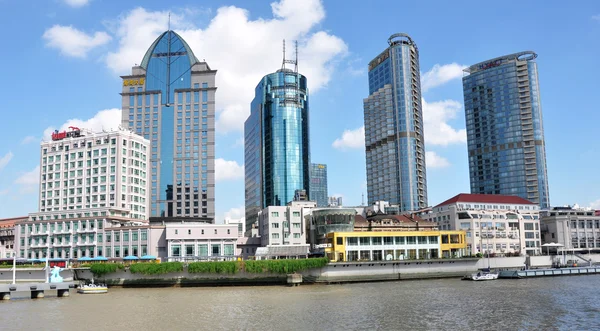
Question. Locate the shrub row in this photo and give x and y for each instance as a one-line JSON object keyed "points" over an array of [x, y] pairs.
{"points": [[225, 267], [100, 269], [284, 266]]}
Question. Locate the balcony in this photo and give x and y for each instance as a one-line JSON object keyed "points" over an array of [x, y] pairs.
{"points": [[40, 233]]}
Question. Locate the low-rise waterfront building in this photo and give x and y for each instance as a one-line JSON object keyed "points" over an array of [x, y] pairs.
{"points": [[284, 225], [326, 220], [576, 229], [7, 236], [395, 245], [91, 233], [496, 224], [197, 241]]}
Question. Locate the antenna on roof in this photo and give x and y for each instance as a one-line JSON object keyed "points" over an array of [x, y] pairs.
{"points": [[169, 25], [294, 62]]}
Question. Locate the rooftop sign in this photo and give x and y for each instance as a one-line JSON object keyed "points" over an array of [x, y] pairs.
{"points": [[133, 82], [490, 64], [62, 135]]}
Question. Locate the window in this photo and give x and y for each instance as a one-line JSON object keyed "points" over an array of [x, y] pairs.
{"points": [[274, 214], [228, 249], [189, 250], [296, 214], [216, 249], [176, 250], [275, 225], [296, 225], [228, 231], [339, 240], [275, 235], [203, 250], [189, 231]]}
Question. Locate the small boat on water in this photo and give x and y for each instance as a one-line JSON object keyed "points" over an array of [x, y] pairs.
{"points": [[92, 289], [482, 276]]}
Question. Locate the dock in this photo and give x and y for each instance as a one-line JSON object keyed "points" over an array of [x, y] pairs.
{"points": [[512, 274], [36, 290]]}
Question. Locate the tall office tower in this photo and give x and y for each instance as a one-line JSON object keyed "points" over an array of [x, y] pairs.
{"points": [[505, 135], [94, 173], [170, 100], [394, 140], [276, 152], [318, 184]]}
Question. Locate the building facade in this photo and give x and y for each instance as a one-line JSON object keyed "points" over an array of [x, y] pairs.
{"points": [[81, 170], [505, 134], [92, 233], [276, 151], [284, 225], [318, 184], [169, 99], [495, 224], [241, 224], [395, 245], [576, 229], [200, 241], [394, 141], [7, 236]]}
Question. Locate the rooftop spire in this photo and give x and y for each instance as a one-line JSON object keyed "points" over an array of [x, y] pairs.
{"points": [[294, 62]]}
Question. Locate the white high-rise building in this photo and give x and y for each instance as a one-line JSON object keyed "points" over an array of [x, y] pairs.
{"points": [[81, 170]]}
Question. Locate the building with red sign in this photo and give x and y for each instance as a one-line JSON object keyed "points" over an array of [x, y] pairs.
{"points": [[505, 133]]}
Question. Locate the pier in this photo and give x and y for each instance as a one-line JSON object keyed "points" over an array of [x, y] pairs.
{"points": [[36, 290], [507, 274]]}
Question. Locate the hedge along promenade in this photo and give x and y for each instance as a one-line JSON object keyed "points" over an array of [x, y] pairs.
{"points": [[220, 267]]}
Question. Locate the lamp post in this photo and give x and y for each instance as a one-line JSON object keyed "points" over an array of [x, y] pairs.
{"points": [[14, 275]]}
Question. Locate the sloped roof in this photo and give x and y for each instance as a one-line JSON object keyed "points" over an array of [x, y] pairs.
{"points": [[191, 57], [10, 222], [486, 198]]}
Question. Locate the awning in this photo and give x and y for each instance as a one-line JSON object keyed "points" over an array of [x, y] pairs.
{"points": [[99, 258], [85, 258], [148, 257], [552, 245], [130, 258]]}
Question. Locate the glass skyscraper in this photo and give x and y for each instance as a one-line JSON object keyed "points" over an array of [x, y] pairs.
{"points": [[394, 140], [276, 152], [318, 184], [170, 100], [505, 135]]}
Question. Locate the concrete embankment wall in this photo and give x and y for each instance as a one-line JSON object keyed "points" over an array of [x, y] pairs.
{"points": [[391, 270], [125, 278]]}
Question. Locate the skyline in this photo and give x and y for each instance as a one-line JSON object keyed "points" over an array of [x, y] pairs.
{"points": [[85, 51]]}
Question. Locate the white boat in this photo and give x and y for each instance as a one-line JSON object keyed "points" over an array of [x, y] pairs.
{"points": [[482, 276], [92, 289]]}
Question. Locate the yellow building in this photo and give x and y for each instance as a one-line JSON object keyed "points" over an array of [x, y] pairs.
{"points": [[394, 245]]}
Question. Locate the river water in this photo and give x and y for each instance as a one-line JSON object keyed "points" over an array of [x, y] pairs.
{"points": [[561, 303]]}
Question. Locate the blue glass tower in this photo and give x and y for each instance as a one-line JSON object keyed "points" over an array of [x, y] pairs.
{"points": [[169, 99], [394, 140], [505, 135], [277, 157], [318, 184]]}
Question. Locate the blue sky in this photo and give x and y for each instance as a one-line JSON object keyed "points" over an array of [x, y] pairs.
{"points": [[62, 59]]}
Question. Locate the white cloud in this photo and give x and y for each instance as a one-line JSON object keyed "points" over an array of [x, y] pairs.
{"points": [[28, 140], [351, 139], [595, 204], [29, 181], [103, 120], [596, 17], [235, 213], [239, 142], [5, 159], [433, 160], [441, 74], [4, 192], [229, 44], [72, 42], [76, 3], [228, 170], [437, 130]]}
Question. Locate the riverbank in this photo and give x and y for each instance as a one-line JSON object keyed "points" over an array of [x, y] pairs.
{"points": [[272, 272]]}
